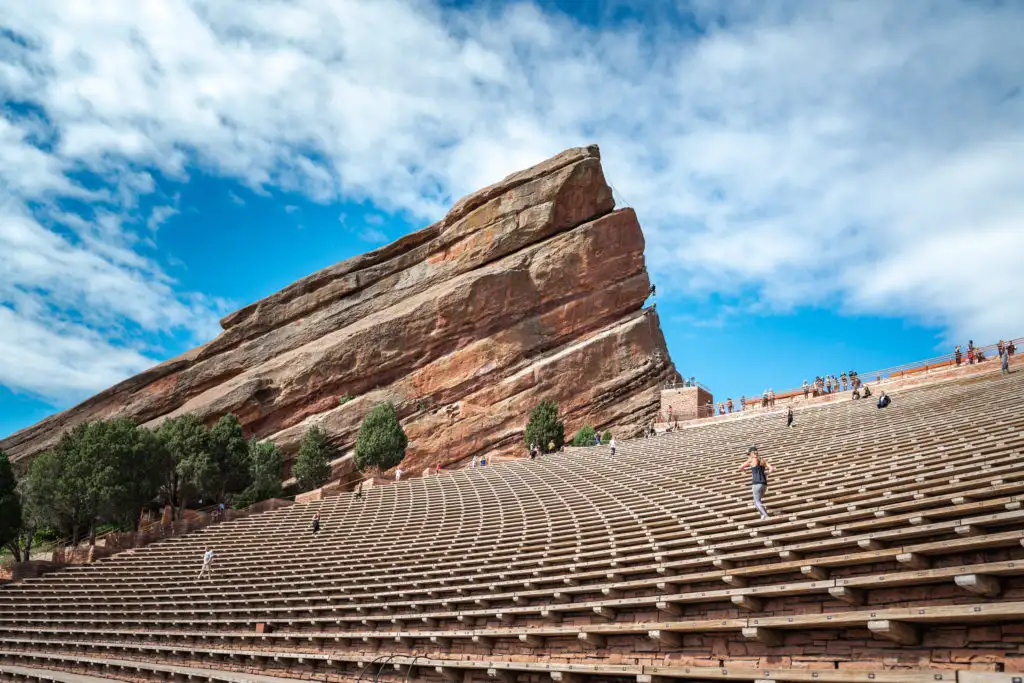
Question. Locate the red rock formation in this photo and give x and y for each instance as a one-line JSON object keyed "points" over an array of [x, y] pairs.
{"points": [[531, 288]]}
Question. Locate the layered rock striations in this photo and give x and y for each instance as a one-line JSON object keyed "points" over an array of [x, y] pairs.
{"points": [[531, 288]]}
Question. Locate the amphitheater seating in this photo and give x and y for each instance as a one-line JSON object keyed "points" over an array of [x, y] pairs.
{"points": [[893, 553]]}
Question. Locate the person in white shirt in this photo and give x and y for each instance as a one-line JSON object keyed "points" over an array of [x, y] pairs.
{"points": [[207, 564], [398, 474], [613, 445]]}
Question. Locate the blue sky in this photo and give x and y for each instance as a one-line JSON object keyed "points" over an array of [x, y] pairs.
{"points": [[822, 186]]}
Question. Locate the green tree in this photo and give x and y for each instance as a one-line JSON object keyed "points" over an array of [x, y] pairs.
{"points": [[312, 467], [20, 544], [10, 503], [229, 452], [606, 436], [77, 480], [33, 514], [544, 428], [381, 442], [101, 471], [586, 436], [265, 469], [186, 460], [41, 483], [126, 470]]}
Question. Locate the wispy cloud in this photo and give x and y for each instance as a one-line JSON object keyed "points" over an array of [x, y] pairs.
{"points": [[58, 359], [862, 153], [372, 235], [371, 231], [160, 215]]}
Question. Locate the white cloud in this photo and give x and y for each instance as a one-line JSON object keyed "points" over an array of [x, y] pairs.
{"points": [[60, 361], [160, 215], [866, 153], [77, 297]]}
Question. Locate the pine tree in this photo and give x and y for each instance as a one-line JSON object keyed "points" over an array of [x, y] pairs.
{"points": [[544, 429], [312, 466], [381, 442]]}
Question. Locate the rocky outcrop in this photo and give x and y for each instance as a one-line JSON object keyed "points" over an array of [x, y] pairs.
{"points": [[531, 288]]}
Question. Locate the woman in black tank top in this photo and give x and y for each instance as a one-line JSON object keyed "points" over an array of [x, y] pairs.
{"points": [[758, 479], [759, 475]]}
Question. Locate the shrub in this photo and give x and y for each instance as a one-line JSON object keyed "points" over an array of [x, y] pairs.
{"points": [[381, 442], [544, 428], [606, 437], [586, 436], [344, 399], [312, 466]]}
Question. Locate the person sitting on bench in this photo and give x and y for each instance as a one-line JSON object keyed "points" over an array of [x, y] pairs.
{"points": [[883, 401]]}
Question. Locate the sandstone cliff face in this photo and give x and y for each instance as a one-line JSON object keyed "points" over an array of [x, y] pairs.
{"points": [[531, 288]]}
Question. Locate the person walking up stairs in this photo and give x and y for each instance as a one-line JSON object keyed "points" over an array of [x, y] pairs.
{"points": [[207, 564], [759, 478]]}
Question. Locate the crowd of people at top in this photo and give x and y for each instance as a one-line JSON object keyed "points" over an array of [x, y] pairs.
{"points": [[830, 384], [976, 354], [825, 385], [822, 386]]}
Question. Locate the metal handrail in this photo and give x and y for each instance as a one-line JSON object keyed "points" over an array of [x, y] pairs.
{"points": [[159, 522], [686, 384], [942, 360]]}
